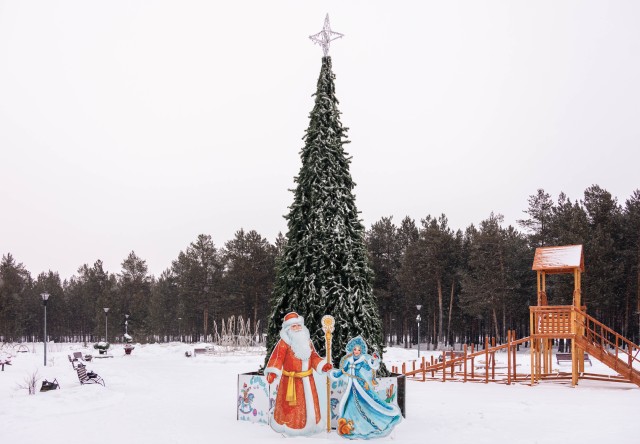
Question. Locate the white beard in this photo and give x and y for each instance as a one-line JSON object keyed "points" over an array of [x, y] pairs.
{"points": [[299, 341]]}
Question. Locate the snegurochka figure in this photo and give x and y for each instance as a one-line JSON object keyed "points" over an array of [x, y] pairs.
{"points": [[361, 413]]}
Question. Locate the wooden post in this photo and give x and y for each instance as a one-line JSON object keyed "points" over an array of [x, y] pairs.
{"points": [[473, 360], [444, 370], [465, 363], [515, 365], [404, 368], [581, 331], [433, 372], [493, 365], [509, 357], [453, 365], [545, 355], [532, 332], [486, 359], [424, 372], [544, 285], [539, 287]]}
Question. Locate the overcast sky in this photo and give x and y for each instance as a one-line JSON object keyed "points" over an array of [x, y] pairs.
{"points": [[137, 125]]}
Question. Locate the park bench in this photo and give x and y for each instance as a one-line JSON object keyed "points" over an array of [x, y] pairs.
{"points": [[4, 361], [209, 350], [81, 357], [77, 357], [566, 357], [88, 377], [49, 385], [21, 348]]}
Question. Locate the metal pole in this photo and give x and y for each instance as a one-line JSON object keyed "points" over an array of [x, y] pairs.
{"points": [[45, 297], [418, 339], [418, 319], [106, 316], [45, 333]]}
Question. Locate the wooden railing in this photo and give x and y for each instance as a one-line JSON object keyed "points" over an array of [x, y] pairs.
{"points": [[465, 362], [551, 321]]}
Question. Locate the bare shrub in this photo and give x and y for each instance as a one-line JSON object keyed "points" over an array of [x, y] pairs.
{"points": [[30, 382]]}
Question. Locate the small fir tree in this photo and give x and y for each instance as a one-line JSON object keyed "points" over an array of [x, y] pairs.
{"points": [[324, 267]]}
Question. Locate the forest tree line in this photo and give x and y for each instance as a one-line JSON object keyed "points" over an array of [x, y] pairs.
{"points": [[468, 283]]}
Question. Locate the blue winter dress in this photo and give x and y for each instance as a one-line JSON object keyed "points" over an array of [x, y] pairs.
{"points": [[361, 413]]}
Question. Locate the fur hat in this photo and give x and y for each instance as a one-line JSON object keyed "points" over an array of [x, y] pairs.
{"points": [[291, 319]]}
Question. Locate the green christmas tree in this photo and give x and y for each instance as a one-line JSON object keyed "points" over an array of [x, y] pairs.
{"points": [[324, 268]]}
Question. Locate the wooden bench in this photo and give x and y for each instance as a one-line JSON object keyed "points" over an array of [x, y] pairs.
{"points": [[566, 357], [209, 350], [88, 378]]}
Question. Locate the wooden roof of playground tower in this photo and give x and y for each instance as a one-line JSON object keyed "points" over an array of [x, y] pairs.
{"points": [[564, 259]]}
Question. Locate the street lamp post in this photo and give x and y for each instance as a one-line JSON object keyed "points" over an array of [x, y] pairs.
{"points": [[180, 328], [418, 319], [45, 297], [126, 326], [106, 315]]}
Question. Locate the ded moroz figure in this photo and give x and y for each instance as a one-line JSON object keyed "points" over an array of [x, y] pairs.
{"points": [[293, 360]]}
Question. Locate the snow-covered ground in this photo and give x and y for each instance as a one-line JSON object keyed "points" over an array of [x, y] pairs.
{"points": [[157, 395]]}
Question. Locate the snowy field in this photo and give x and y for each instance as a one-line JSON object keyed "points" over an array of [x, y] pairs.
{"points": [[157, 395]]}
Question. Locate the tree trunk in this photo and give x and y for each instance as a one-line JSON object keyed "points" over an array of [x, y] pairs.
{"points": [[404, 332], [495, 321], [453, 284], [205, 316], [504, 322], [435, 336], [255, 312]]}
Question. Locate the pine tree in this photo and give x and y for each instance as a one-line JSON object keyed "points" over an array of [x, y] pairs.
{"points": [[324, 267], [540, 212], [249, 274], [198, 273]]}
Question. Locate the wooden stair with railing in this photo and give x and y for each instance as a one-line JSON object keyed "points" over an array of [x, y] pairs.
{"points": [[590, 335], [609, 347]]}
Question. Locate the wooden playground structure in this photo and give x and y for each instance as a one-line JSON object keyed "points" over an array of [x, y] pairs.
{"points": [[588, 337]]}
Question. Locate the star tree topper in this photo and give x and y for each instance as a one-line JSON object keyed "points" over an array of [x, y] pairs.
{"points": [[324, 37]]}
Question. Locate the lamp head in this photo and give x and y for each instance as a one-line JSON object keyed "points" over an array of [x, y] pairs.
{"points": [[44, 296], [106, 310], [419, 307]]}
